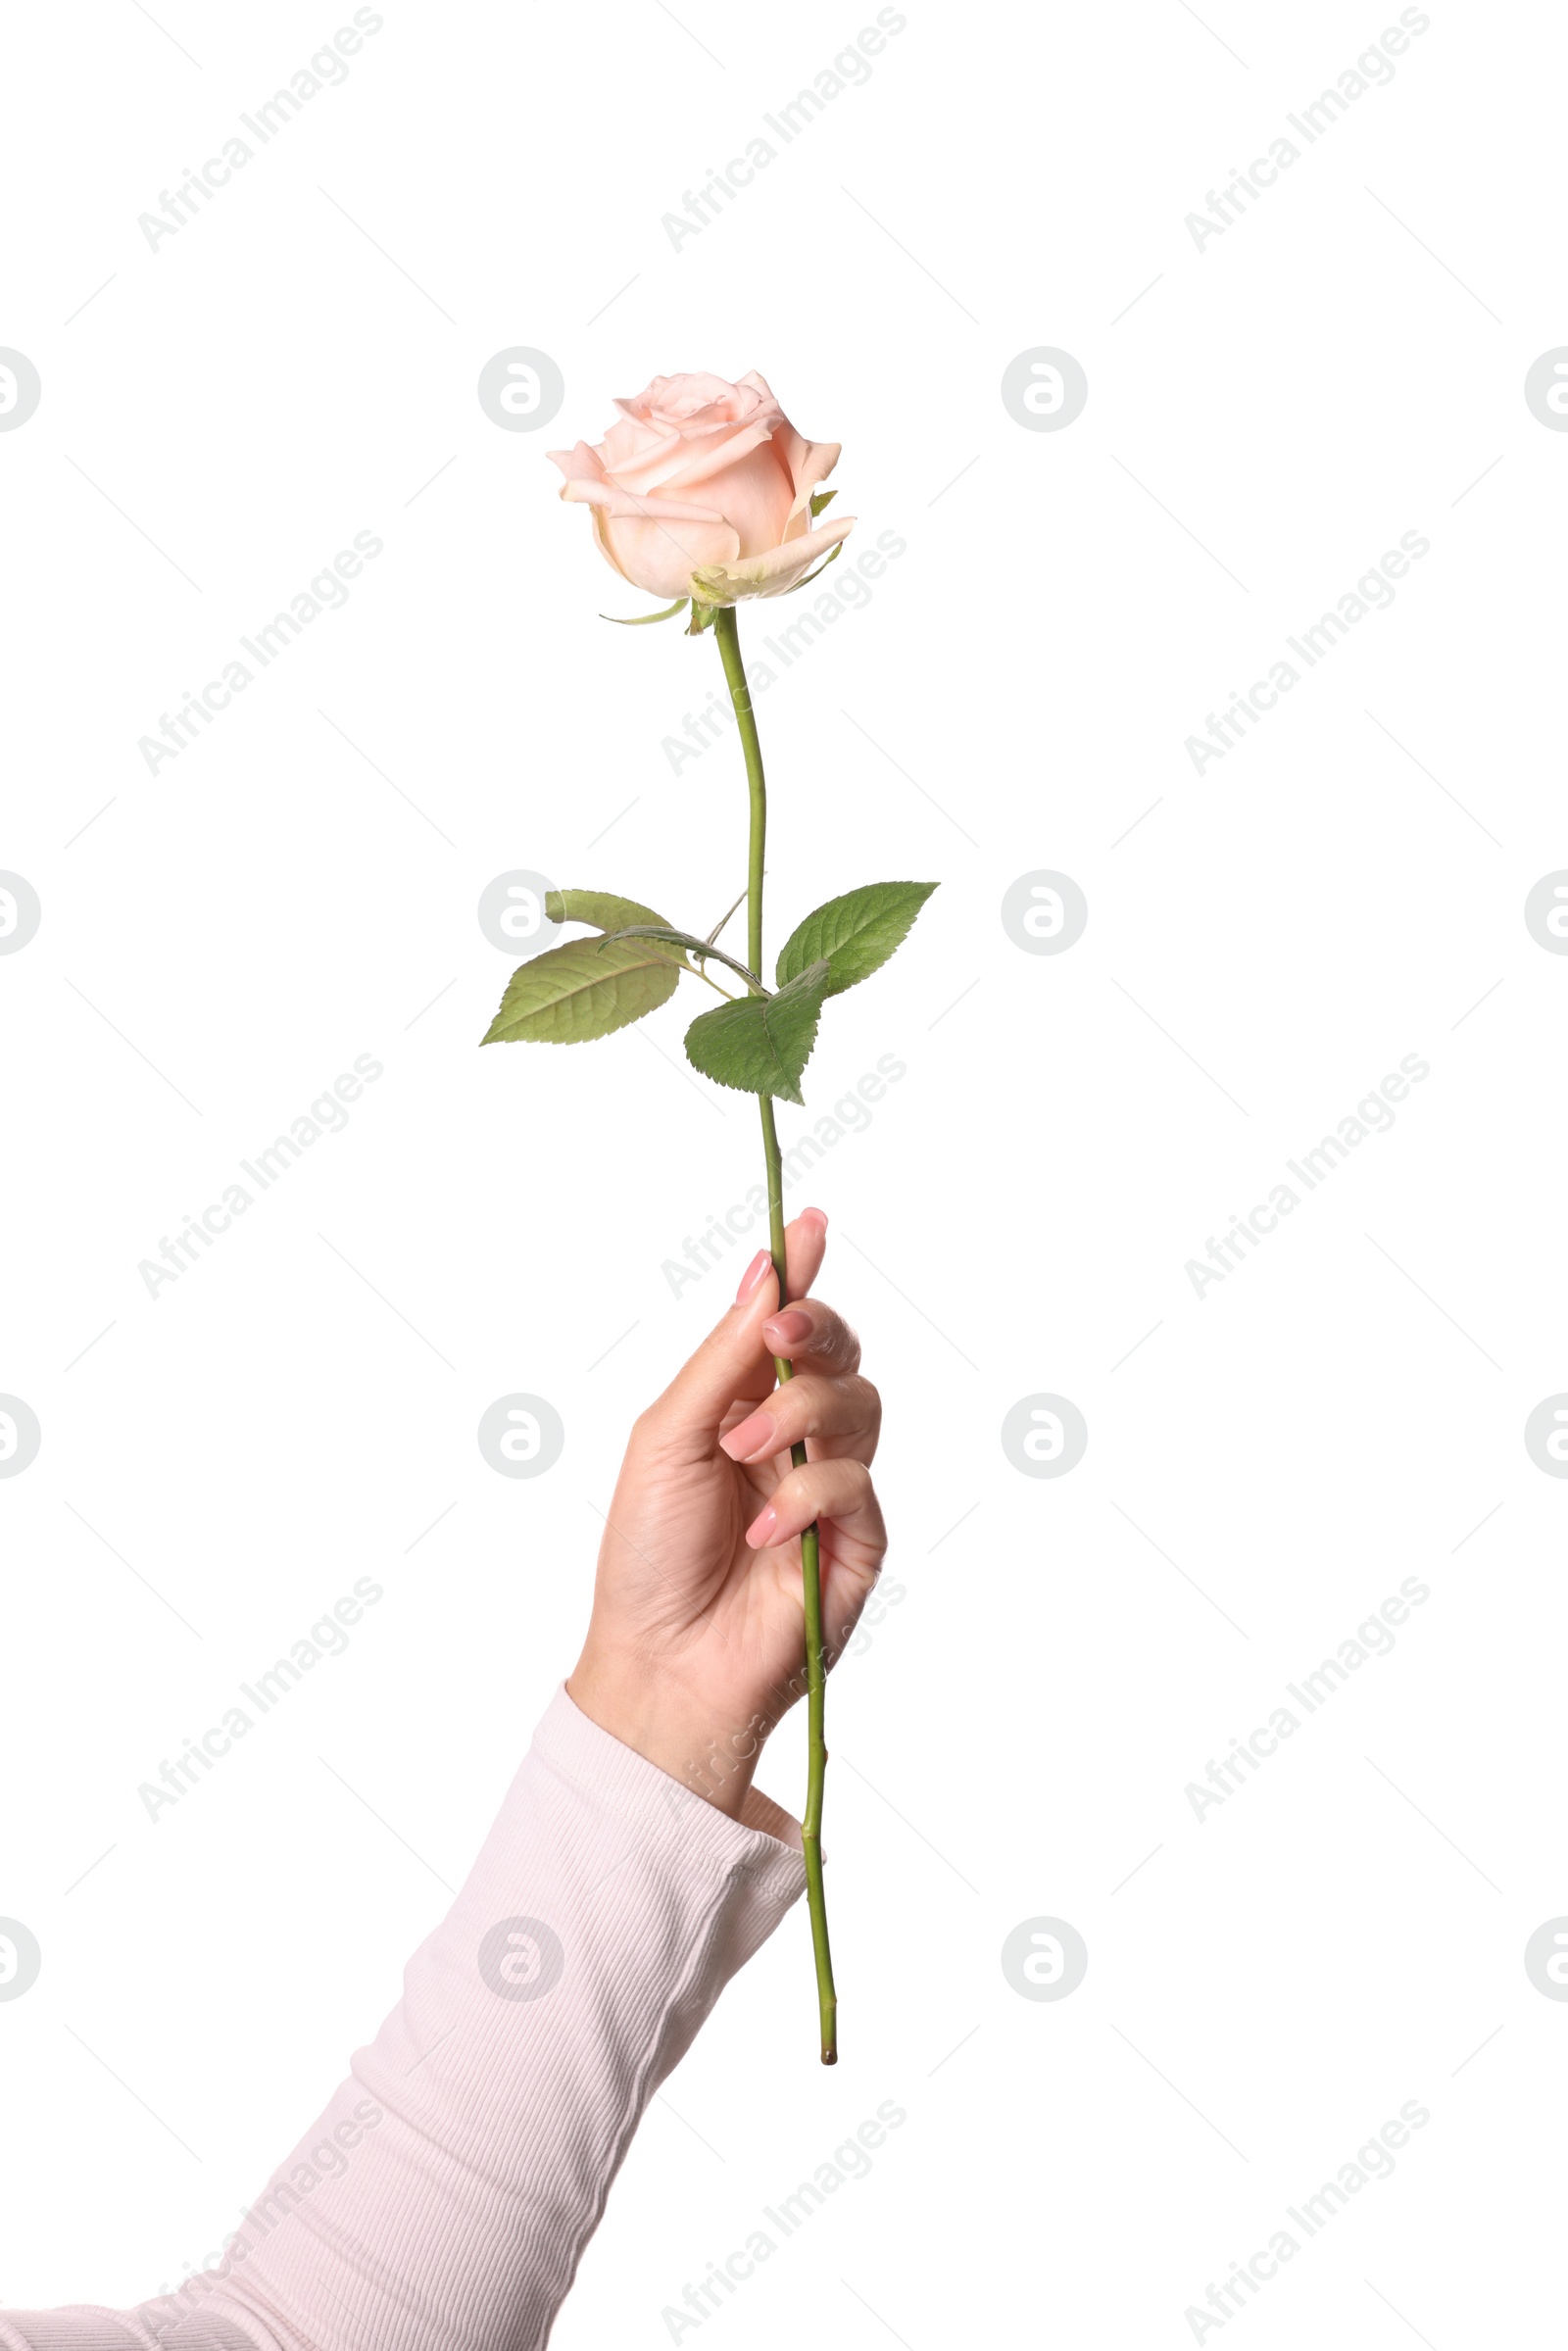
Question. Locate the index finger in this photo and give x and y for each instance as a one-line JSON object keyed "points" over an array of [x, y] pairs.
{"points": [[734, 1360], [804, 1247]]}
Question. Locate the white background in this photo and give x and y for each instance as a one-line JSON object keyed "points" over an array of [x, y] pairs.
{"points": [[1343, 364]]}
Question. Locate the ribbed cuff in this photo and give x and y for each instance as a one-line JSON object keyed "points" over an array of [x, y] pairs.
{"points": [[675, 1822]]}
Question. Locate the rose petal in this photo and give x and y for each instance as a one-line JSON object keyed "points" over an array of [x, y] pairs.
{"points": [[683, 461], [661, 554], [656, 542], [751, 381], [810, 462], [754, 496], [630, 439], [775, 572], [681, 399], [580, 463]]}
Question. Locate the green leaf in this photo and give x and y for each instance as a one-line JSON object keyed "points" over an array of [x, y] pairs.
{"points": [[571, 993], [761, 1043], [686, 940], [644, 619], [601, 910], [821, 498], [702, 616], [856, 932]]}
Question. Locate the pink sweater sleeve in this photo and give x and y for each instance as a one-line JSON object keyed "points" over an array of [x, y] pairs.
{"points": [[444, 2196]]}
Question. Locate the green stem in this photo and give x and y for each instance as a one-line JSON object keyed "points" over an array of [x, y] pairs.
{"points": [[729, 647]]}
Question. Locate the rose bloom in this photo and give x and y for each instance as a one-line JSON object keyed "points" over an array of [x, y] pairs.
{"points": [[699, 476]]}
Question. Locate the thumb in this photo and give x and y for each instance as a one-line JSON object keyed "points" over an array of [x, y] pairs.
{"points": [[733, 1361]]}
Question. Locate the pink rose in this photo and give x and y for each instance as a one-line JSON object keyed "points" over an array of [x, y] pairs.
{"points": [[702, 476]]}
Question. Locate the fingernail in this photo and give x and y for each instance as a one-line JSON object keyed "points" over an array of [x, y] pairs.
{"points": [[760, 1529], [787, 1330], [821, 1215], [750, 1438], [752, 1275]]}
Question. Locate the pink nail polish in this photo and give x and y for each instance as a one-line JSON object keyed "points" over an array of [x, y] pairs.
{"points": [[760, 1529], [753, 1273], [750, 1438], [786, 1330]]}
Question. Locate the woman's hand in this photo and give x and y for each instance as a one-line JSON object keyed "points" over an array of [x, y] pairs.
{"points": [[696, 1643]]}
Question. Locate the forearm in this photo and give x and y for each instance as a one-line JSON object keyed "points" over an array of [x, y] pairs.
{"points": [[444, 2196]]}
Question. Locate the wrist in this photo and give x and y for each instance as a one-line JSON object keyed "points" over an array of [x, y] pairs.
{"points": [[697, 1745]]}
